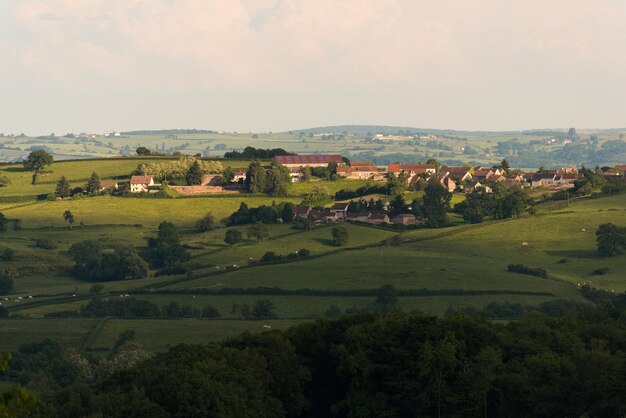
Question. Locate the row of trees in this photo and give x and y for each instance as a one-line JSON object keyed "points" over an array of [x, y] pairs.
{"points": [[189, 168], [92, 262], [500, 204], [274, 180]]}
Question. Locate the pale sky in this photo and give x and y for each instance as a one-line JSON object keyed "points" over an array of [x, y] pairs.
{"points": [[274, 65]]}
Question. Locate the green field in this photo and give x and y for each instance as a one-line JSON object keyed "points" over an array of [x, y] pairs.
{"points": [[461, 266]]}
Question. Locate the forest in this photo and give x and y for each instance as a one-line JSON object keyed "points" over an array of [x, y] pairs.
{"points": [[364, 365]]}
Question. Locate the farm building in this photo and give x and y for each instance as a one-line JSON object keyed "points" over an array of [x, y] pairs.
{"points": [[341, 209], [140, 184], [411, 169], [405, 219], [108, 184]]}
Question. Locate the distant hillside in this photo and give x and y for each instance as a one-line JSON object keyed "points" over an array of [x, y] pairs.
{"points": [[170, 132], [387, 130]]}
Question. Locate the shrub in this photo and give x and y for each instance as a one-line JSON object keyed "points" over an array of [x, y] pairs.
{"points": [[340, 235], [4, 181], [45, 243], [4, 312], [271, 256], [6, 284], [171, 270], [210, 312], [207, 223], [8, 254], [233, 236], [522, 269], [303, 252], [333, 311], [601, 271]]}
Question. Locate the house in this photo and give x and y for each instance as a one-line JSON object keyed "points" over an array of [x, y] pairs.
{"points": [[457, 173], [411, 169], [567, 170], [546, 179], [301, 211], [378, 218], [108, 184], [298, 161], [482, 174], [357, 217], [140, 184], [475, 185], [360, 171], [566, 181], [324, 216], [405, 219], [449, 184], [341, 209], [239, 176]]}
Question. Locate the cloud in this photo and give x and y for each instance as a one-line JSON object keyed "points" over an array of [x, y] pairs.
{"points": [[441, 52]]}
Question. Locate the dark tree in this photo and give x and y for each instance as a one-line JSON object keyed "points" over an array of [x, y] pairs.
{"points": [[6, 284], [207, 223], [37, 160], [194, 174], [68, 217], [4, 222], [93, 185], [258, 231], [233, 236], [63, 188], [143, 151], [340, 235], [263, 309], [435, 204], [387, 298], [287, 212], [611, 240], [255, 178]]}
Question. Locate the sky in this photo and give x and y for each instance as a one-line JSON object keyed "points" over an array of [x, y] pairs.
{"points": [[277, 65]]}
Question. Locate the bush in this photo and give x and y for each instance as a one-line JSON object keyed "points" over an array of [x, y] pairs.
{"points": [[210, 312], [271, 256], [4, 312], [522, 269], [233, 236], [303, 252], [207, 223], [6, 284], [4, 181], [333, 311], [171, 270], [45, 243], [601, 271], [340, 236], [8, 254]]}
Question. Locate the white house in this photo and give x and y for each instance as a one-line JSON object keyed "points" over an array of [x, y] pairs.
{"points": [[140, 184]]}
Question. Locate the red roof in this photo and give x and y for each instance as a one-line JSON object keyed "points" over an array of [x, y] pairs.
{"points": [[308, 159], [107, 183], [367, 164], [141, 179]]}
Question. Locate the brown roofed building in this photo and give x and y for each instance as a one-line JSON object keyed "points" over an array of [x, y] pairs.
{"points": [[412, 169], [140, 184], [108, 184]]}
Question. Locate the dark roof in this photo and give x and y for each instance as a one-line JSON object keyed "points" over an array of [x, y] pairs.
{"points": [[340, 206], [308, 159]]}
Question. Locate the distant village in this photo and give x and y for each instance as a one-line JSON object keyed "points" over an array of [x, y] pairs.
{"points": [[455, 179]]}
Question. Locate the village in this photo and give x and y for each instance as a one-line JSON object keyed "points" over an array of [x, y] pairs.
{"points": [[413, 176]]}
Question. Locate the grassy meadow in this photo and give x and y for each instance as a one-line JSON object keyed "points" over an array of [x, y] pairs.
{"points": [[460, 266]]}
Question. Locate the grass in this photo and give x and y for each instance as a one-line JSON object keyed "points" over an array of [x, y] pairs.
{"points": [[67, 332], [77, 173], [134, 211]]}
